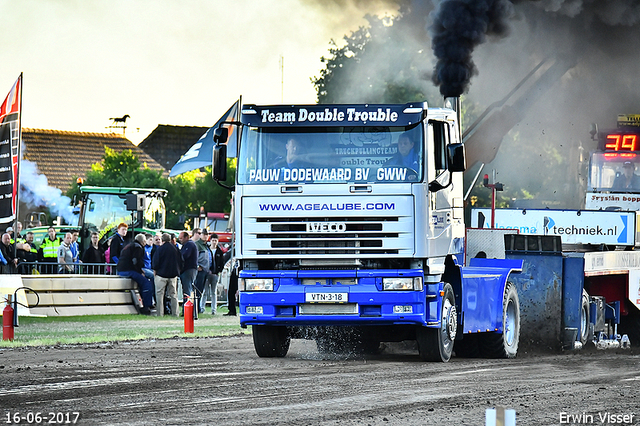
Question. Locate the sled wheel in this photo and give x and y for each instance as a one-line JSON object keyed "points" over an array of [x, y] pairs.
{"points": [[584, 318], [436, 344]]}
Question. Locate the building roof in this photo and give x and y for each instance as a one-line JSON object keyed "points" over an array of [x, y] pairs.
{"points": [[166, 144], [61, 155]]}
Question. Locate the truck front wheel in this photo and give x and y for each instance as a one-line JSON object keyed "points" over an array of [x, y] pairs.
{"points": [[505, 344], [270, 341], [436, 344]]}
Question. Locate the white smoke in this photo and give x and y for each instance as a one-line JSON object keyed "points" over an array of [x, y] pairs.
{"points": [[36, 192]]}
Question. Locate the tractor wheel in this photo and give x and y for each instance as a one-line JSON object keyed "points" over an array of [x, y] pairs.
{"points": [[270, 341], [505, 344], [436, 344]]}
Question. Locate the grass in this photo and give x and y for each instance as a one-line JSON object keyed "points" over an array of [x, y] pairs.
{"points": [[49, 331]]}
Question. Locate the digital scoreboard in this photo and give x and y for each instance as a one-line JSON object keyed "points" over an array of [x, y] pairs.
{"points": [[625, 138]]}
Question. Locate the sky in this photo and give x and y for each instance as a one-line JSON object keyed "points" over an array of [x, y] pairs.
{"points": [[165, 61]]}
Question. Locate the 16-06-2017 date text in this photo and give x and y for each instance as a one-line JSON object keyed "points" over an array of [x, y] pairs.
{"points": [[49, 418]]}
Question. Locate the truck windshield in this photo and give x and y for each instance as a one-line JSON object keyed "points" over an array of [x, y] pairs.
{"points": [[330, 155], [105, 211], [614, 172], [218, 225]]}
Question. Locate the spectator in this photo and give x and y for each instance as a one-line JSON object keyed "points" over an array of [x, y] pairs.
{"points": [[17, 236], [117, 242], [148, 247], [94, 254], [190, 256], [75, 248], [216, 257], [48, 252], [26, 251], [233, 288], [3, 263], [65, 255], [8, 253], [130, 265], [203, 267], [157, 242], [166, 264]]}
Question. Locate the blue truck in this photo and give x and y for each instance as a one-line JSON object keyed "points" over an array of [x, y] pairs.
{"points": [[350, 230]]}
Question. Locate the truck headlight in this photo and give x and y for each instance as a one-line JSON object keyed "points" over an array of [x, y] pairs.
{"points": [[256, 284], [402, 283]]}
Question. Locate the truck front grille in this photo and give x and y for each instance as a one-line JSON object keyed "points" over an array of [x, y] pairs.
{"points": [[335, 235]]}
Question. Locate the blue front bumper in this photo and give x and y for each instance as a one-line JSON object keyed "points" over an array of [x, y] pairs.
{"points": [[366, 303]]}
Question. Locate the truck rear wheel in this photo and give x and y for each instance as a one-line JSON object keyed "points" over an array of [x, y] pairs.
{"points": [[270, 341], [436, 344], [505, 344]]}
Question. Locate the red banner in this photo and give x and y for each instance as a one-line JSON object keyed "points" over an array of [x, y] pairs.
{"points": [[9, 152]]}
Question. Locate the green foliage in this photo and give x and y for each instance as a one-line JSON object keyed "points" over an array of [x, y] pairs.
{"points": [[385, 62], [186, 193]]}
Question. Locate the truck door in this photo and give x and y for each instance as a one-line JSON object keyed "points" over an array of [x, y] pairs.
{"points": [[443, 215]]}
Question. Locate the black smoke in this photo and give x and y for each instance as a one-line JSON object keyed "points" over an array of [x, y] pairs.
{"points": [[458, 27]]}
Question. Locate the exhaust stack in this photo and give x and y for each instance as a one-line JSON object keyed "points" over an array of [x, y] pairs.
{"points": [[453, 102]]}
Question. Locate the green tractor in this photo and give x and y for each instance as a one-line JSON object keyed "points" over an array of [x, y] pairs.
{"points": [[102, 209]]}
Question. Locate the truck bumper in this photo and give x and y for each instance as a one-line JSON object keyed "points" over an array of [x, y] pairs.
{"points": [[319, 298]]}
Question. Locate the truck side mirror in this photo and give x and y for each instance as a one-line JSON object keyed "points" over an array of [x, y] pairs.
{"points": [[457, 161], [220, 162], [220, 135]]}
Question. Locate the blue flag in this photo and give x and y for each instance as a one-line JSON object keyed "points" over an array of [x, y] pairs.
{"points": [[201, 153]]}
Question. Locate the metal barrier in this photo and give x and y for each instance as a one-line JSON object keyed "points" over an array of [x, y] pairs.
{"points": [[35, 268]]}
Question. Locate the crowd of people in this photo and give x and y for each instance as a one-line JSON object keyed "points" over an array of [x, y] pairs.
{"points": [[154, 262]]}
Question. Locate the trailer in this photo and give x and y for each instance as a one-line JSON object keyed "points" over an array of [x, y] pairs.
{"points": [[350, 231], [599, 300]]}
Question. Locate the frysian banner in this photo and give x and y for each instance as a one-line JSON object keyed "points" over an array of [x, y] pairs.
{"points": [[10, 112]]}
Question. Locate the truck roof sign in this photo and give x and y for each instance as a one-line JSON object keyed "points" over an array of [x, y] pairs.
{"points": [[332, 115]]}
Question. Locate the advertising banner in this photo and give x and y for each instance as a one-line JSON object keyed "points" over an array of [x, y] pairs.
{"points": [[573, 226], [9, 149]]}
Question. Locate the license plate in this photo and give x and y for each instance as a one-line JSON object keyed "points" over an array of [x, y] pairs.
{"points": [[327, 297]]}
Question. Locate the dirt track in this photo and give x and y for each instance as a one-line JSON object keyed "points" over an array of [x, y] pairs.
{"points": [[220, 381]]}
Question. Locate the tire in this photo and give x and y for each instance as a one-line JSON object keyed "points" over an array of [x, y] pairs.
{"points": [[436, 344], [270, 341], [505, 344], [584, 318], [467, 347]]}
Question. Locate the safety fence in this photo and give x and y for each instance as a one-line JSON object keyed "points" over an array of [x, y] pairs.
{"points": [[37, 268], [88, 288]]}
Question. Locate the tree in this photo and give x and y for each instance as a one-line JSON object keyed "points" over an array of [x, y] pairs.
{"points": [[386, 62]]}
